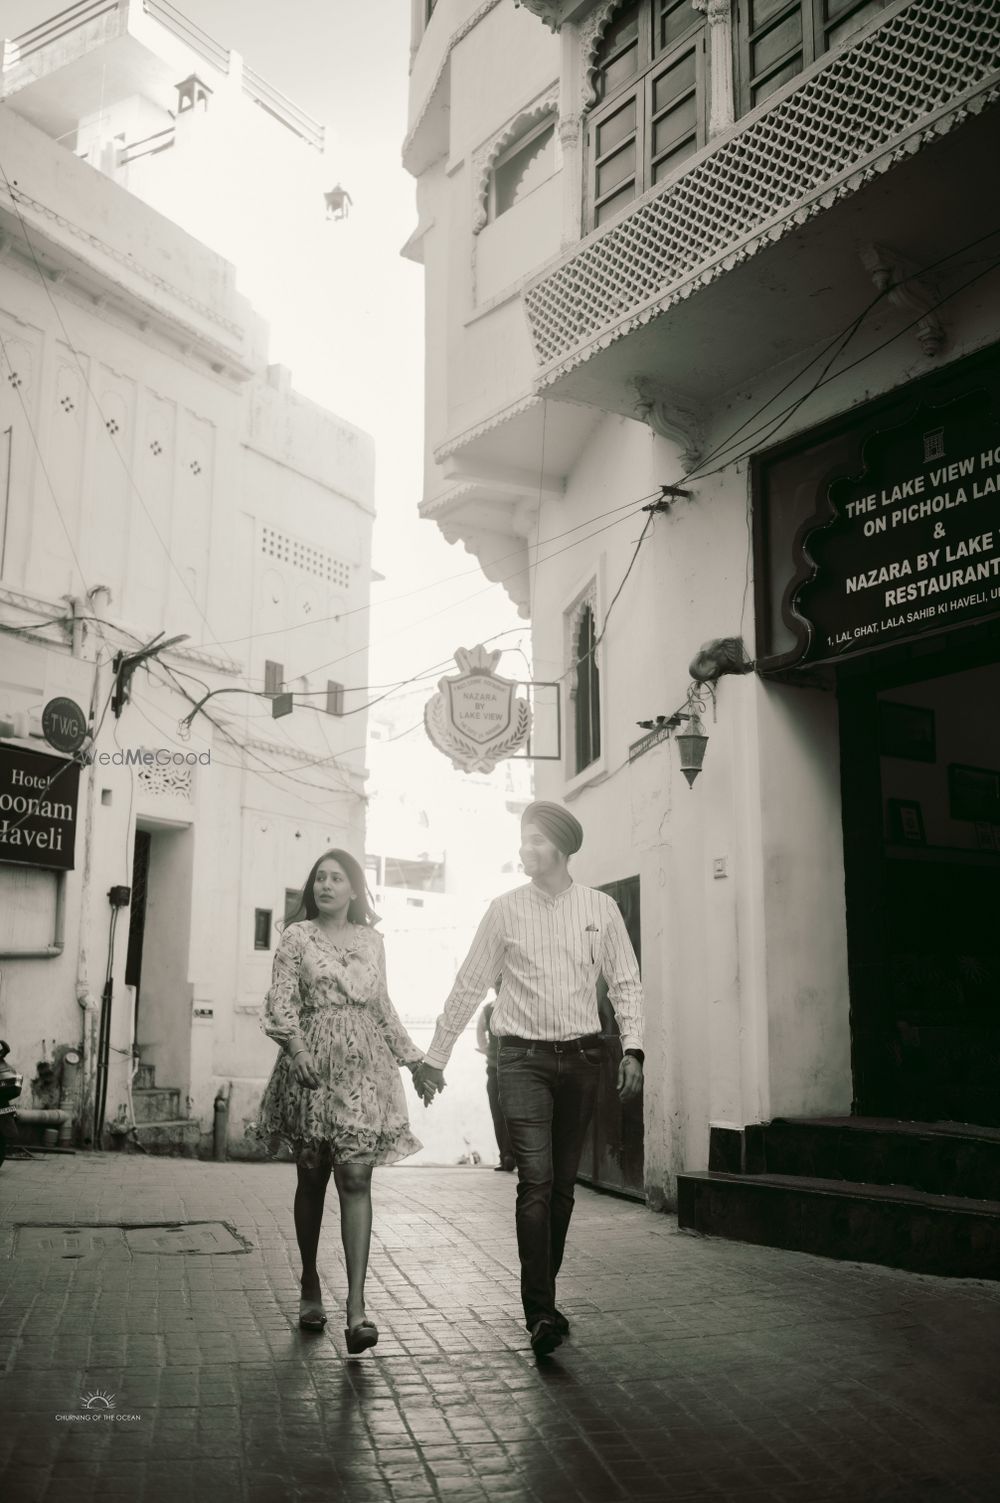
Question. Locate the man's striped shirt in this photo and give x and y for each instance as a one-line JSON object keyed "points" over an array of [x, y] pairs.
{"points": [[547, 953]]}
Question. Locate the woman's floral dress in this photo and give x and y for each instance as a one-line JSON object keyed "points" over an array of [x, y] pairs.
{"points": [[330, 997]]}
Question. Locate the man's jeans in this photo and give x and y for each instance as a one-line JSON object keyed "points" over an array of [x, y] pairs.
{"points": [[504, 1146], [547, 1100]]}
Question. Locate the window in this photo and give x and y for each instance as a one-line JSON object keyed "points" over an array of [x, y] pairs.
{"points": [[420, 875], [293, 902], [274, 677], [585, 692], [262, 928], [775, 39], [650, 80], [334, 698], [525, 164]]}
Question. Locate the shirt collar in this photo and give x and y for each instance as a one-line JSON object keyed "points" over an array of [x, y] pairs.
{"points": [[543, 897]]}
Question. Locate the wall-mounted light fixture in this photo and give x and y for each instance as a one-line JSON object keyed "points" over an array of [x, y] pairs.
{"points": [[691, 743]]}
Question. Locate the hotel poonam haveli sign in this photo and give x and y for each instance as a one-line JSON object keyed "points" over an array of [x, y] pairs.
{"points": [[476, 718]]}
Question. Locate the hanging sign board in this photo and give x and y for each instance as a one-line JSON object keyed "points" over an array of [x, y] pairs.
{"points": [[38, 808], [476, 718], [64, 725]]}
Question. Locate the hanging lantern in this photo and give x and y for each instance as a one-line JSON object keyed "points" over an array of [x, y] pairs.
{"points": [[338, 203], [691, 745]]}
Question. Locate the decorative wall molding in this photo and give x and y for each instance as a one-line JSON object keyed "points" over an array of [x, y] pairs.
{"points": [[18, 198], [893, 275], [452, 445], [671, 417], [165, 781], [487, 153], [590, 33], [549, 12], [460, 32], [722, 95]]}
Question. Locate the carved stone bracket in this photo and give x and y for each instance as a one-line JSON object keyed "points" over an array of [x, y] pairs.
{"points": [[671, 417], [590, 33], [486, 155], [549, 12], [893, 274]]}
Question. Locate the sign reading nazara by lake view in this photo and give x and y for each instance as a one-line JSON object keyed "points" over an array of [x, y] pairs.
{"points": [[38, 805], [912, 541]]}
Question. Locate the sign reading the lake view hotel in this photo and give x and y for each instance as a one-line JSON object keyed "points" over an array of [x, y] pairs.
{"points": [[913, 542], [38, 805], [476, 718]]}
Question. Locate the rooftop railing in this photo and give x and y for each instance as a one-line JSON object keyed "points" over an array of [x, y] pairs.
{"points": [[257, 88], [188, 31], [55, 28]]}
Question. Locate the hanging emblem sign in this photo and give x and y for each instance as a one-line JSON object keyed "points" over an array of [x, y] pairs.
{"points": [[476, 718]]}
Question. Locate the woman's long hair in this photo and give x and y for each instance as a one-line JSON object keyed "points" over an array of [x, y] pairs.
{"points": [[360, 910]]}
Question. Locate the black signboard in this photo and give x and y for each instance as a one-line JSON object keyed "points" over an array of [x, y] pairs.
{"points": [[889, 522], [38, 807], [64, 725]]}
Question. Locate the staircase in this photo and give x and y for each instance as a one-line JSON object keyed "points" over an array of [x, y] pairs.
{"points": [[160, 1128], [918, 1195]]}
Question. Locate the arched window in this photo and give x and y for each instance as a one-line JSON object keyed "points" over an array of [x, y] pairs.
{"points": [[586, 693], [522, 166], [650, 116]]}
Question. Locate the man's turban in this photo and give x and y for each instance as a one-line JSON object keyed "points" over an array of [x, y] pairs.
{"points": [[557, 824]]}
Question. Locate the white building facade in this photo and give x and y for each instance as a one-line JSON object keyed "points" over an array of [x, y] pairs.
{"points": [[698, 257], [160, 483]]}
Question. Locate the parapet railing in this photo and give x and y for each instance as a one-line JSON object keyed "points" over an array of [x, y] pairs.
{"points": [[282, 108], [55, 28]]}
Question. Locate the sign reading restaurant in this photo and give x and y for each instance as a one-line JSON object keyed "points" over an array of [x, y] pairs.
{"points": [[38, 808], [915, 538], [892, 525]]}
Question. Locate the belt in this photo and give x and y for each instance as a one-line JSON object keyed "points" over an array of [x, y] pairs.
{"points": [[554, 1046]]}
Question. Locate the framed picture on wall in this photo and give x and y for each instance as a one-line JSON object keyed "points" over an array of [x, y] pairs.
{"points": [[906, 731], [973, 793], [906, 822]]}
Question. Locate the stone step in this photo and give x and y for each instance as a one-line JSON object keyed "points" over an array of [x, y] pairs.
{"points": [[944, 1158], [156, 1103], [868, 1223], [179, 1137]]}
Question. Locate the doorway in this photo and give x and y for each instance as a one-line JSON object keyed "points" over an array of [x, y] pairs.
{"points": [[137, 920], [920, 760]]}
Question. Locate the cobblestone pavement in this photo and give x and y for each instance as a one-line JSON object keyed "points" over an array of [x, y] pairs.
{"points": [[697, 1369]]}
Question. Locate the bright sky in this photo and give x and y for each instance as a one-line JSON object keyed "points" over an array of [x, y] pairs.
{"points": [[346, 313]]}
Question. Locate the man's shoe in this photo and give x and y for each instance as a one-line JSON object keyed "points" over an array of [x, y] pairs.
{"points": [[561, 1323], [545, 1337]]}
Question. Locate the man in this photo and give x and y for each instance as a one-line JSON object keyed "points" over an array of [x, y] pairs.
{"points": [[486, 1043], [548, 941]]}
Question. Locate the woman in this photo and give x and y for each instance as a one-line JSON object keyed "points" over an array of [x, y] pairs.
{"points": [[335, 1096]]}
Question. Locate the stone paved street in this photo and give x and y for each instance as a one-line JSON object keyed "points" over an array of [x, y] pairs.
{"points": [[697, 1369]]}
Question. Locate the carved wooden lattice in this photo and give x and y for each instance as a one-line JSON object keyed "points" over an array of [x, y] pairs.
{"points": [[165, 780], [918, 62]]}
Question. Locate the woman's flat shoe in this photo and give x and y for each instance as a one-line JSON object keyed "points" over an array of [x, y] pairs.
{"points": [[312, 1316], [361, 1336]]}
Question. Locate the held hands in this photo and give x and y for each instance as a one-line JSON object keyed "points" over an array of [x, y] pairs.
{"points": [[427, 1081], [629, 1082], [304, 1071]]}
